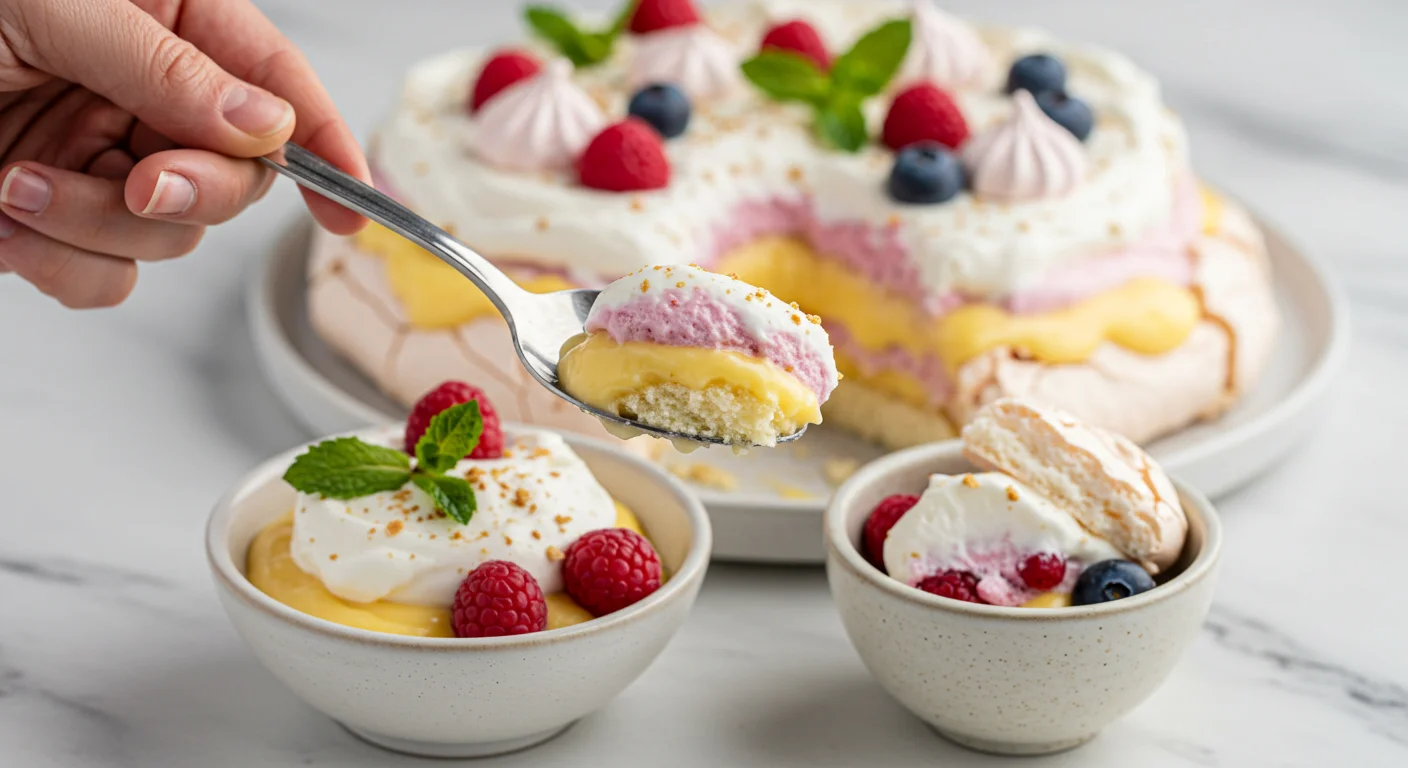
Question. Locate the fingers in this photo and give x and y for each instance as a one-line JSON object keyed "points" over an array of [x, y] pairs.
{"points": [[77, 278], [115, 49], [194, 186], [111, 164], [90, 214], [145, 141], [236, 34]]}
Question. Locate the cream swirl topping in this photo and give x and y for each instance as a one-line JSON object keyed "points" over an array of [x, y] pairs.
{"points": [[539, 124], [1028, 157], [945, 50], [695, 59], [745, 152]]}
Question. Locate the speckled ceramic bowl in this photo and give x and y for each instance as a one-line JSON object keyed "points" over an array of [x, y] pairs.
{"points": [[1009, 680], [449, 697]]}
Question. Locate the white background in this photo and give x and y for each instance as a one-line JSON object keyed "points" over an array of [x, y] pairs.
{"points": [[120, 428]]}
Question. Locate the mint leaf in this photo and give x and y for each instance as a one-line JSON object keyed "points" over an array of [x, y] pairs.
{"points": [[872, 62], [553, 26], [452, 495], [596, 47], [452, 434], [788, 76], [842, 125], [347, 468], [580, 47]]}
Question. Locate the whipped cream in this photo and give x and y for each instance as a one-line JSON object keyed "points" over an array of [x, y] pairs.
{"points": [[689, 306], [695, 59], [1028, 157], [746, 150], [536, 124], [987, 524], [945, 50], [393, 546]]}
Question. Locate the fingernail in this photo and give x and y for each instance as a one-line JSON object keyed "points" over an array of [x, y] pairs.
{"points": [[173, 196], [255, 112], [8, 226], [25, 190]]}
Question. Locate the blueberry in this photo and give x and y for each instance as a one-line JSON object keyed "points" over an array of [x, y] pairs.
{"points": [[664, 106], [1068, 112], [925, 172], [1038, 73], [1110, 580]]}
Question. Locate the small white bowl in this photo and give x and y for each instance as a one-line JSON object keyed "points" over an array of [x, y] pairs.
{"points": [[452, 697], [1009, 680]]}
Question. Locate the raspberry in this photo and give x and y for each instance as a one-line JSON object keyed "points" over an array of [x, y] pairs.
{"points": [[1043, 571], [626, 157], [958, 585], [502, 70], [655, 15], [609, 569], [491, 441], [924, 112], [499, 598], [799, 37], [881, 520]]}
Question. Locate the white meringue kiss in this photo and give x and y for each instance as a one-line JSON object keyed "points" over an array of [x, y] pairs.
{"points": [[695, 59], [542, 123], [1028, 157], [945, 50]]}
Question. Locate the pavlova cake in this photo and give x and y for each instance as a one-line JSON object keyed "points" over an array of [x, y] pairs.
{"points": [[971, 212]]}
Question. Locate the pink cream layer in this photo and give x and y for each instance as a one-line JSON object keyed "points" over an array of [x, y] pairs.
{"points": [[928, 370], [692, 318], [879, 254], [995, 564]]}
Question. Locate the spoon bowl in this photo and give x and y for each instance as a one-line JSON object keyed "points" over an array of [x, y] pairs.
{"points": [[540, 323]]}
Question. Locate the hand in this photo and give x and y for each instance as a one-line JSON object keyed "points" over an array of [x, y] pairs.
{"points": [[126, 126]]}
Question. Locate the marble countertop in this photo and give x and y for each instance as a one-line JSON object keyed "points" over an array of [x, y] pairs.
{"points": [[119, 430]]}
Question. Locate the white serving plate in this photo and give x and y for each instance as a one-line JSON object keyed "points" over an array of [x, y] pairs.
{"points": [[775, 514]]}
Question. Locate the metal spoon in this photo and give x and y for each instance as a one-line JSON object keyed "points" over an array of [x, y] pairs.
{"points": [[541, 323]]}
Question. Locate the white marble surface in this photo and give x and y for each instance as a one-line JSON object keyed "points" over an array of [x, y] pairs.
{"points": [[121, 428]]}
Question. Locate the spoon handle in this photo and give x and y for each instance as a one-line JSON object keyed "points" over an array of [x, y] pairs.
{"points": [[316, 174]]}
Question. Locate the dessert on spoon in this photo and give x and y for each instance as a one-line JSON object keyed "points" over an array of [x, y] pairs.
{"points": [[542, 324]]}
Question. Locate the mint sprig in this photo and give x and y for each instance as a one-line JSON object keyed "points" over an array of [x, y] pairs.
{"points": [[452, 434], [836, 97], [452, 495], [348, 468], [582, 47]]}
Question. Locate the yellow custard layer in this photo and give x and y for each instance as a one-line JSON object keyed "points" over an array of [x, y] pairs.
{"points": [[432, 292], [1145, 315], [271, 568], [601, 373], [1148, 316]]}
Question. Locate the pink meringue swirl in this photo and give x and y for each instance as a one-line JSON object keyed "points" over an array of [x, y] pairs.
{"points": [[1028, 157], [945, 50], [542, 123]]}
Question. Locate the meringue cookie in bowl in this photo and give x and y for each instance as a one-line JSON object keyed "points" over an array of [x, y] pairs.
{"points": [[944, 50], [695, 59], [539, 124], [1028, 157], [1105, 481]]}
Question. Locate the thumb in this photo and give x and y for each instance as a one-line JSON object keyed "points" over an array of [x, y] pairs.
{"points": [[117, 51]]}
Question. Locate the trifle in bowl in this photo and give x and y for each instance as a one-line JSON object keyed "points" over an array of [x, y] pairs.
{"points": [[1022, 590], [456, 586]]}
